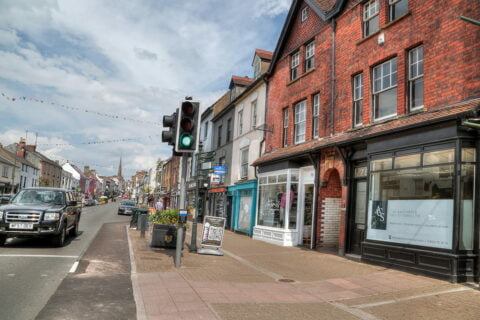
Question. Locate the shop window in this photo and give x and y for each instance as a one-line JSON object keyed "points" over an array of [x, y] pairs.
{"points": [[385, 90], [407, 161], [272, 179], [245, 212], [309, 56], [370, 17], [285, 128], [262, 180], [294, 63], [381, 164], [300, 121], [358, 100], [282, 178], [315, 115], [397, 8], [415, 78], [436, 157], [292, 216], [467, 189], [468, 154], [294, 177], [272, 209]]}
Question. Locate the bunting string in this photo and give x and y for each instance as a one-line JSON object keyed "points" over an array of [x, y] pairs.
{"points": [[96, 142], [79, 109], [81, 163]]}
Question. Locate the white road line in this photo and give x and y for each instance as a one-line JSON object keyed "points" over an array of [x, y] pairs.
{"points": [[266, 272], [37, 256], [356, 312], [74, 267], [380, 303]]}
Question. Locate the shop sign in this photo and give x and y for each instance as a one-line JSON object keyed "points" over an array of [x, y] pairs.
{"points": [[427, 223], [215, 179], [220, 170], [217, 190], [213, 231]]}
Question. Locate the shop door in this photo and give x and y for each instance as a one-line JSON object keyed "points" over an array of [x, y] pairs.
{"points": [[308, 212], [357, 218]]}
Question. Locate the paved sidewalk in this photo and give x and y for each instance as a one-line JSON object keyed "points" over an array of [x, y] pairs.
{"points": [[257, 280]]}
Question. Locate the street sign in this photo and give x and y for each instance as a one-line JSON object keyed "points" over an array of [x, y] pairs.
{"points": [[206, 156], [220, 170], [215, 179], [213, 231]]}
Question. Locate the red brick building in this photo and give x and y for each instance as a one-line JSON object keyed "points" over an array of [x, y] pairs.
{"points": [[373, 144]]}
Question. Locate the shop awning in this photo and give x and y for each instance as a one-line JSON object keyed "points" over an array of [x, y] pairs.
{"points": [[397, 124]]}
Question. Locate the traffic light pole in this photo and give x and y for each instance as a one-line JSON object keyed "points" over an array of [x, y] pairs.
{"points": [[182, 206]]}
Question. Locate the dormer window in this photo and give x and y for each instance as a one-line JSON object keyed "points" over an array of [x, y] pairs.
{"points": [[304, 14], [370, 18], [294, 63], [233, 93], [256, 68]]}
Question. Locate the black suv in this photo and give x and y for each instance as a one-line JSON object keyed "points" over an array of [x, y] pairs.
{"points": [[40, 212]]}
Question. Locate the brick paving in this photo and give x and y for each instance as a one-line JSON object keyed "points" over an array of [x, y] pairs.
{"points": [[243, 284]]}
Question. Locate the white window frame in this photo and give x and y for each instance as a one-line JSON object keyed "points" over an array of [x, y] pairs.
{"points": [[300, 122], [256, 68], [240, 122], [5, 172], [357, 99], [392, 76], [371, 10], [285, 128], [254, 114], [310, 56], [418, 66], [294, 63], [316, 115], [244, 163], [304, 14]]}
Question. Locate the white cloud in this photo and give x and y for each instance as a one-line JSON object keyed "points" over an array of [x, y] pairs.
{"points": [[131, 58]]}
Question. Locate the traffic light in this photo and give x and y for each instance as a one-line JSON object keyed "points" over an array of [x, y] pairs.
{"points": [[187, 127], [171, 123]]}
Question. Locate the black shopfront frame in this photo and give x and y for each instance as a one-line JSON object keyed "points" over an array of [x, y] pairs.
{"points": [[454, 264]]}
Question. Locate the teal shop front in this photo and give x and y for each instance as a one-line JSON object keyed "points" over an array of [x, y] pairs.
{"points": [[244, 208]]}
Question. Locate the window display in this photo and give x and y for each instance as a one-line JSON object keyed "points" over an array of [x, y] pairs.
{"points": [[272, 208], [413, 206]]}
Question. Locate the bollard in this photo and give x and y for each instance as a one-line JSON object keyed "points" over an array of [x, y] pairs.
{"points": [[143, 224]]}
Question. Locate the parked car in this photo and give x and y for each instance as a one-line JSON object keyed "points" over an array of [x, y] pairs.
{"points": [[40, 212], [126, 207], [88, 202]]}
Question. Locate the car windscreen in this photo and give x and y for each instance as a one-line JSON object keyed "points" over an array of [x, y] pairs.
{"points": [[127, 204], [40, 197]]}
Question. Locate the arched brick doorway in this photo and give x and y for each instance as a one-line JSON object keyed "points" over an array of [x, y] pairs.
{"points": [[330, 204]]}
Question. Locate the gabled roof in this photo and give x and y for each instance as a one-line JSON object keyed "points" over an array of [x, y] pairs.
{"points": [[408, 121], [240, 81], [263, 54], [6, 161], [14, 157], [82, 175], [325, 9]]}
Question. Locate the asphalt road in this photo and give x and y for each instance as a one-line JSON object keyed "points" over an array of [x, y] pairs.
{"points": [[31, 269]]}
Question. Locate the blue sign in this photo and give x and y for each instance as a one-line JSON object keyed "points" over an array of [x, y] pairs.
{"points": [[183, 213], [220, 170]]}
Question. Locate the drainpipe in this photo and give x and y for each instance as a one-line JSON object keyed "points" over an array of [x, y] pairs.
{"points": [[332, 81], [316, 165]]}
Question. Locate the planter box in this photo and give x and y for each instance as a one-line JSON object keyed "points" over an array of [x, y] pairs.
{"points": [[165, 236]]}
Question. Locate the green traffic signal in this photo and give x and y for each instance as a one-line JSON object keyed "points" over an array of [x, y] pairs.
{"points": [[186, 141]]}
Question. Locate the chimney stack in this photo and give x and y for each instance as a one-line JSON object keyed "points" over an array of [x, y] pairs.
{"points": [[21, 148]]}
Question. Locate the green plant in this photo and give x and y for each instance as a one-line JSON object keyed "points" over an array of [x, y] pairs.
{"points": [[169, 216]]}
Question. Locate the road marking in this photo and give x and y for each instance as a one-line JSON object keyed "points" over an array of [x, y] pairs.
{"points": [[74, 267], [36, 256], [137, 294], [380, 303]]}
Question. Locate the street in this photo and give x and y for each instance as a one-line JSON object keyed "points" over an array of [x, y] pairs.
{"points": [[31, 269]]}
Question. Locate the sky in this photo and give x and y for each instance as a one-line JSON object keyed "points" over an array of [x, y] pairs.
{"points": [[103, 70]]}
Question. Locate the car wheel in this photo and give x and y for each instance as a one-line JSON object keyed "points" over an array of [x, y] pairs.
{"points": [[3, 238], [59, 239], [74, 230]]}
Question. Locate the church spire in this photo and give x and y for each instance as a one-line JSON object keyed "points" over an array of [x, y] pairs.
{"points": [[119, 174]]}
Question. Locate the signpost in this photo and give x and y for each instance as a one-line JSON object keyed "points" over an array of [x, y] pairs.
{"points": [[212, 235]]}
